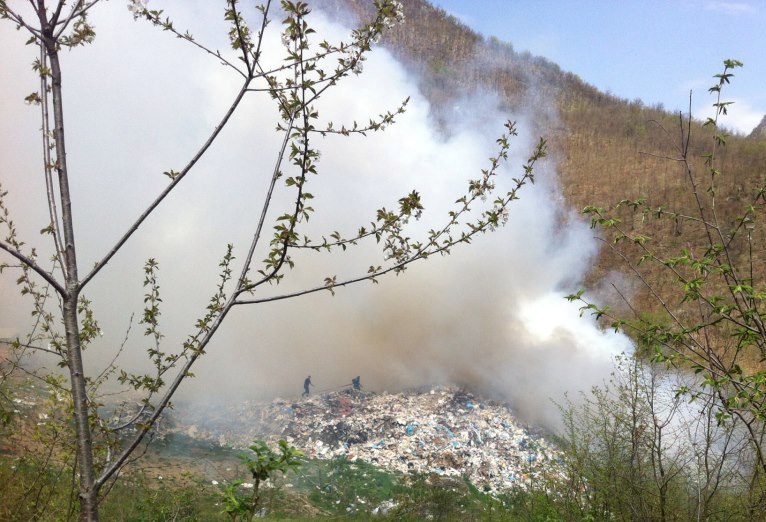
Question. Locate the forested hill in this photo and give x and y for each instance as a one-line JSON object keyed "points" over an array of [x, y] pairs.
{"points": [[452, 60], [759, 132], [606, 148]]}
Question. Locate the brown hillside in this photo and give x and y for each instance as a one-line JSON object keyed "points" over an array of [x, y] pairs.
{"points": [[607, 148], [759, 132]]}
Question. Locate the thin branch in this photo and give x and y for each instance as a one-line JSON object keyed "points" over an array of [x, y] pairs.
{"points": [[29, 262], [47, 162], [15, 17], [130, 421], [188, 37], [111, 364], [75, 13], [306, 291], [434, 245], [262, 219], [661, 156], [40, 349], [153, 206], [57, 14], [261, 32], [115, 466], [242, 40]]}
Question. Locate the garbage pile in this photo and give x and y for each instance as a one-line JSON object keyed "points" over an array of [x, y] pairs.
{"points": [[444, 430]]}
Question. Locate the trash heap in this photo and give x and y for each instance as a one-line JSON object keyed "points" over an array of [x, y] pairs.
{"points": [[444, 430]]}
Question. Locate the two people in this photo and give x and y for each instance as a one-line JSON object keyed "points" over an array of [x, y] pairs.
{"points": [[356, 382]]}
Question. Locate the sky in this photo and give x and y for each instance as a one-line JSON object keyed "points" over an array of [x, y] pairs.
{"points": [[654, 50]]}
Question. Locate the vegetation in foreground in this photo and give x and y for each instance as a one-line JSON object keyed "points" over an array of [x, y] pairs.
{"points": [[611, 460], [321, 490]]}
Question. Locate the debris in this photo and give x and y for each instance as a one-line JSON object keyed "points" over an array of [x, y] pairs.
{"points": [[447, 431]]}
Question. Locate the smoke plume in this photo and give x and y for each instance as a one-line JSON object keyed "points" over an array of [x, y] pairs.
{"points": [[490, 316]]}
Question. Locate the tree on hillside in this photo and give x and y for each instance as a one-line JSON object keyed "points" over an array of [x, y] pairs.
{"points": [[65, 320], [711, 321]]}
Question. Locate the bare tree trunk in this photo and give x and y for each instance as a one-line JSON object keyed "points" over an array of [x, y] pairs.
{"points": [[88, 493]]}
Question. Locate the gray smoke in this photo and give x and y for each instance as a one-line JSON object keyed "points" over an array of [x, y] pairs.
{"points": [[491, 316]]}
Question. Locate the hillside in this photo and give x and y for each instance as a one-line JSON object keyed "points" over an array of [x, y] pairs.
{"points": [[606, 149], [759, 132]]}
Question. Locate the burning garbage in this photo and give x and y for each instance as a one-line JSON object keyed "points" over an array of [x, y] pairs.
{"points": [[446, 431]]}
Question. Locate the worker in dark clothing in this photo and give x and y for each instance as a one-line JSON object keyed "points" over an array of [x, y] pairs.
{"points": [[357, 382], [306, 383]]}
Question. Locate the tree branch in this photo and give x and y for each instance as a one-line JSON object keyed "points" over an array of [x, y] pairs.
{"points": [[35, 267], [180, 176]]}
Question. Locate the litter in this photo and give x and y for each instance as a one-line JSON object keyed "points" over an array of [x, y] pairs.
{"points": [[402, 432]]}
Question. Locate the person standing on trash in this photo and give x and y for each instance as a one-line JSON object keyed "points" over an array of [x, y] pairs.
{"points": [[306, 383], [357, 382]]}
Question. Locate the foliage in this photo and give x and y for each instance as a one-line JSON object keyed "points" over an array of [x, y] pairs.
{"points": [[708, 320], [40, 491], [265, 466], [635, 448], [140, 499], [33, 490], [435, 498], [338, 484]]}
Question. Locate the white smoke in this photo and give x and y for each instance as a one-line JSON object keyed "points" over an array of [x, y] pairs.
{"points": [[138, 102]]}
